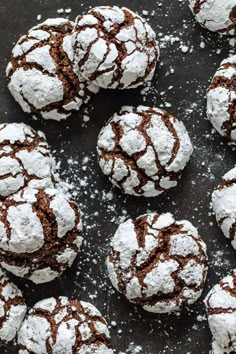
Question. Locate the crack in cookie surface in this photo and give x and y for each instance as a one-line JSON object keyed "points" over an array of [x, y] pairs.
{"points": [[158, 263], [56, 326], [12, 308], [143, 150], [40, 234], [221, 308], [115, 48], [25, 159], [221, 99], [41, 75], [224, 205], [215, 15]]}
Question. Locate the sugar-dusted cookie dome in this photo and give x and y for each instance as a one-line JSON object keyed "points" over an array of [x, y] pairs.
{"points": [[215, 15], [40, 234], [41, 76], [221, 308], [115, 48], [12, 309], [158, 263], [221, 98], [224, 205], [60, 326], [143, 150], [24, 159]]}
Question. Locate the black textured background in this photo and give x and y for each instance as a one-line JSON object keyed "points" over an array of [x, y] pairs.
{"points": [[71, 142]]}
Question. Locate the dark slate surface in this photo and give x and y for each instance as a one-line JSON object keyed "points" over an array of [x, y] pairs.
{"points": [[71, 141]]}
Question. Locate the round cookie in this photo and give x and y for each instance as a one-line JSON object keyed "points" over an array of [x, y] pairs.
{"points": [[39, 234], [221, 99], [41, 76], [61, 326], [221, 308], [143, 150], [25, 159], [12, 309], [158, 263], [115, 48], [224, 205], [215, 15]]}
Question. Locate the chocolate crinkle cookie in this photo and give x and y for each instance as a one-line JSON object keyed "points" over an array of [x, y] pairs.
{"points": [[215, 15], [12, 309], [221, 99], [25, 159], [158, 263], [221, 308], [39, 234], [115, 48], [224, 205], [41, 76], [63, 326], [143, 150]]}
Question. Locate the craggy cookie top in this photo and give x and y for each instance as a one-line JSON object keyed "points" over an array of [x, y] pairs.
{"points": [[215, 15], [143, 150], [221, 99], [12, 309], [41, 75], [114, 47], [221, 307], [224, 205], [157, 262], [40, 234], [63, 326], [24, 158]]}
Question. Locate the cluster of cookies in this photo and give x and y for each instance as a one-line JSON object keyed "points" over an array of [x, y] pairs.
{"points": [[39, 227], [59, 64], [155, 261], [40, 236]]}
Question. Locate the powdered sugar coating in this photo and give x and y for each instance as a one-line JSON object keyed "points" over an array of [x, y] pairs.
{"points": [[221, 307], [25, 159], [39, 234], [217, 350], [143, 150], [221, 99], [12, 309], [115, 48], [61, 326], [224, 205], [215, 15], [41, 75], [158, 262]]}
